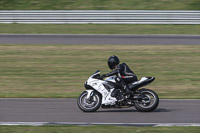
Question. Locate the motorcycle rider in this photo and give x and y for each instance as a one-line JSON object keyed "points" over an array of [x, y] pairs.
{"points": [[124, 75]]}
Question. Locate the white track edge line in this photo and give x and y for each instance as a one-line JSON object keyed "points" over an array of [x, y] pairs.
{"points": [[115, 124]]}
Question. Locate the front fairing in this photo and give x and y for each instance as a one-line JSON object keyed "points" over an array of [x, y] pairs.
{"points": [[97, 84], [111, 79], [93, 80]]}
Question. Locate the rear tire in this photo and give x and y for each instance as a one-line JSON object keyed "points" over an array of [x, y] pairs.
{"points": [[149, 103], [89, 106]]}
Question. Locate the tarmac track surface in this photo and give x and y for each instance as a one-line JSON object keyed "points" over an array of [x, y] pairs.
{"points": [[100, 39], [66, 110]]}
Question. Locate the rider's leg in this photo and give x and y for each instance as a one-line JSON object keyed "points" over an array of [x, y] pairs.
{"points": [[123, 85]]}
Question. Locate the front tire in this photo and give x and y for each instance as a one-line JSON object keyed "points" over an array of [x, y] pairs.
{"points": [[89, 106], [149, 102]]}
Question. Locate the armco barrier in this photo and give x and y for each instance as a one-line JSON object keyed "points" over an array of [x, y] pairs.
{"points": [[100, 16]]}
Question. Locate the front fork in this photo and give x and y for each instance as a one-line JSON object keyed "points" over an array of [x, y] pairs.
{"points": [[90, 94]]}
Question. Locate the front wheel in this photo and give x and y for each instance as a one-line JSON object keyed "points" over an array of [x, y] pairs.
{"points": [[89, 105], [149, 102]]}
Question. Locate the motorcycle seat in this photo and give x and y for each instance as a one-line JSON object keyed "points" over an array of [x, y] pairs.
{"points": [[142, 82]]}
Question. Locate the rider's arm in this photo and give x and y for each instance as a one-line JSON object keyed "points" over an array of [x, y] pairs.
{"points": [[114, 72]]}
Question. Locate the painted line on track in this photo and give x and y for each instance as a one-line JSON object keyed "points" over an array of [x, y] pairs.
{"points": [[77, 97], [86, 124]]}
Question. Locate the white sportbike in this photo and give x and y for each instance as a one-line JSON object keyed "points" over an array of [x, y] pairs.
{"points": [[108, 94]]}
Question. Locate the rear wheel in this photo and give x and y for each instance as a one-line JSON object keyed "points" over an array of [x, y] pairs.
{"points": [[89, 105], [149, 102]]}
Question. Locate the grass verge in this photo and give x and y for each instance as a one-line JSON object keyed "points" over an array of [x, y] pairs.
{"points": [[99, 5], [59, 71], [96, 129], [97, 29]]}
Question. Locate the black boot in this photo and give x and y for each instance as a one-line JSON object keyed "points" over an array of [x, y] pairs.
{"points": [[127, 92], [120, 97]]}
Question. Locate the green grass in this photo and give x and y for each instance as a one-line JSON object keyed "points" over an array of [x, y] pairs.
{"points": [[60, 70], [96, 129], [100, 5], [98, 29]]}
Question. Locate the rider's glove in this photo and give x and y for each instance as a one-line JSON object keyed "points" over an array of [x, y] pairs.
{"points": [[102, 76]]}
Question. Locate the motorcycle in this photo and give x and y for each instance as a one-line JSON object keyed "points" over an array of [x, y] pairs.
{"points": [[108, 94]]}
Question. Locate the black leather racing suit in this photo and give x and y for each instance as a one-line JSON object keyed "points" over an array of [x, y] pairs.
{"points": [[123, 71]]}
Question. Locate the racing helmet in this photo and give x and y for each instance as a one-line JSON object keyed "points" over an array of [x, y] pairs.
{"points": [[113, 61]]}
